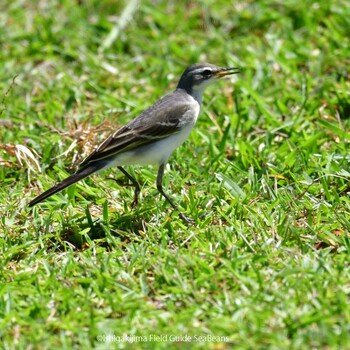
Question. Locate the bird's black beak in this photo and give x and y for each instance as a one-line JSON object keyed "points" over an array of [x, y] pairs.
{"points": [[226, 71]]}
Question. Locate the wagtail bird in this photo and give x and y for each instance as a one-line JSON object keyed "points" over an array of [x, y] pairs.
{"points": [[151, 137]]}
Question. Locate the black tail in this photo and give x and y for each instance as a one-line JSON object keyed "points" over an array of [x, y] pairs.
{"points": [[80, 174]]}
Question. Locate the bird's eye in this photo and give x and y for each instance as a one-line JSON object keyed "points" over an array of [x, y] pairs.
{"points": [[207, 72]]}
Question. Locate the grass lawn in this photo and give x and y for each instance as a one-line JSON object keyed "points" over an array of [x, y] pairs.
{"points": [[265, 175]]}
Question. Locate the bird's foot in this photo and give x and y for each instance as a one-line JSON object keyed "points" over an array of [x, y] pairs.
{"points": [[135, 202], [186, 218]]}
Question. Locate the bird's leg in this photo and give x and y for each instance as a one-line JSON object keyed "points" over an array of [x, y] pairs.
{"points": [[134, 183], [160, 189]]}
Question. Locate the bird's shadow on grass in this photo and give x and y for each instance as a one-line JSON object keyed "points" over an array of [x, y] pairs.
{"points": [[106, 233]]}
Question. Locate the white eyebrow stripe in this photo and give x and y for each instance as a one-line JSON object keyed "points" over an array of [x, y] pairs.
{"points": [[201, 70]]}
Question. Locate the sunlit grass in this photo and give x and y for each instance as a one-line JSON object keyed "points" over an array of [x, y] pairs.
{"points": [[265, 176]]}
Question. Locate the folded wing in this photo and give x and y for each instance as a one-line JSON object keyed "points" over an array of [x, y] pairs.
{"points": [[165, 121]]}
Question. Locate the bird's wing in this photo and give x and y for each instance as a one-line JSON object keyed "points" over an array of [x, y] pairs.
{"points": [[140, 131]]}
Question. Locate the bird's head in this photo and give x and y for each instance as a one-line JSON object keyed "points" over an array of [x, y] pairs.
{"points": [[198, 76]]}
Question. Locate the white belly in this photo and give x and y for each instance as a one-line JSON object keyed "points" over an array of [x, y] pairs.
{"points": [[154, 153]]}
